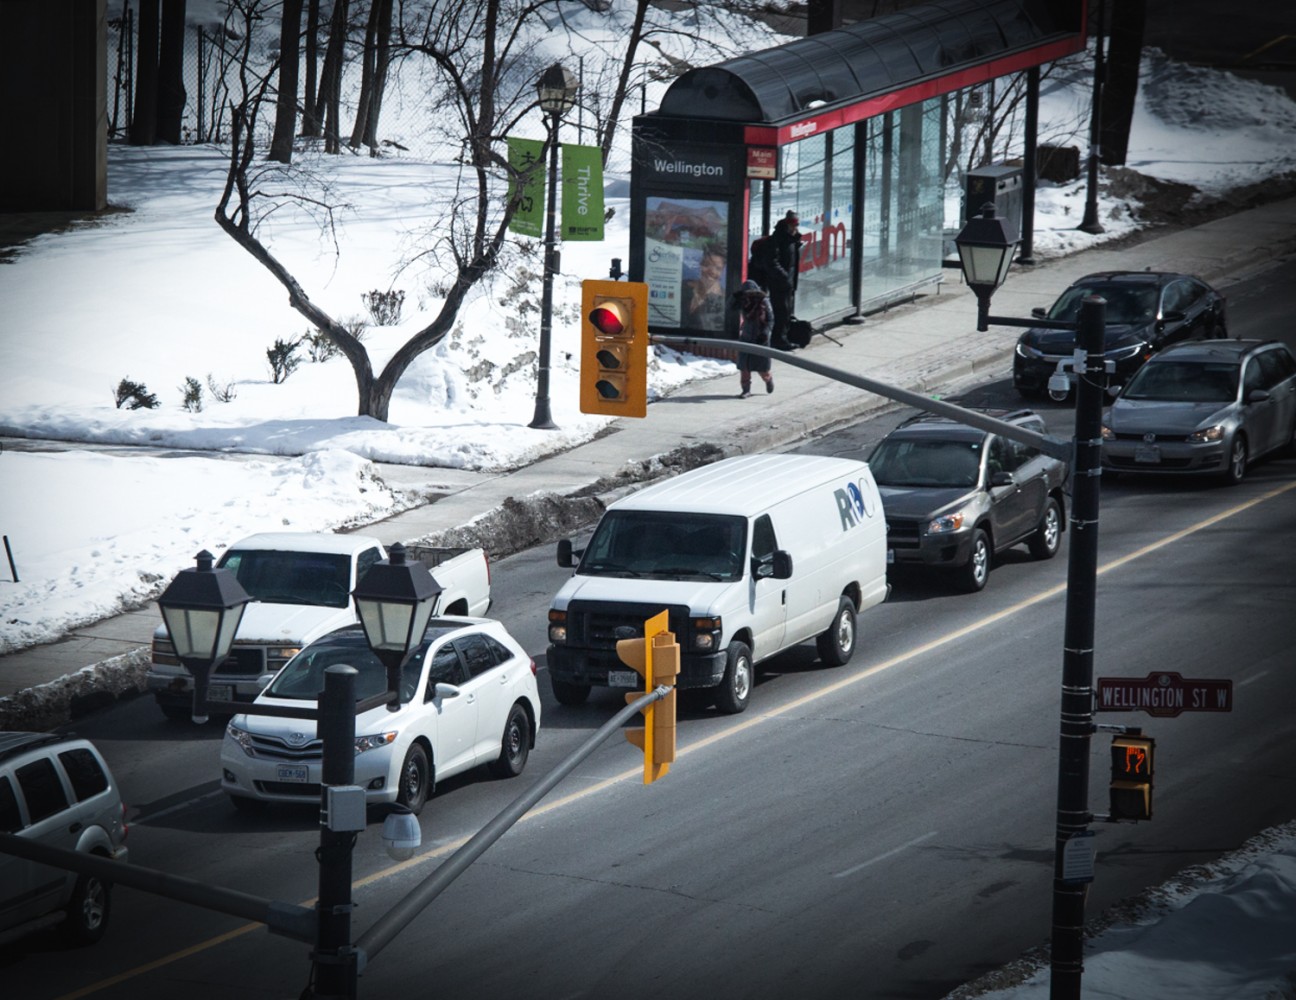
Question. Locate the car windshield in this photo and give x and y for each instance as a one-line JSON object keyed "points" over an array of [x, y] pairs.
{"points": [[667, 544], [316, 578], [917, 462], [1184, 382], [1125, 304], [302, 678]]}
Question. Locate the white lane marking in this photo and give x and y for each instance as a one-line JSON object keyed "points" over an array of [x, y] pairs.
{"points": [[882, 857]]}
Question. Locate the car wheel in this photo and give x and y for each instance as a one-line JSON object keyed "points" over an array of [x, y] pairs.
{"points": [[837, 645], [734, 692], [1235, 471], [515, 745], [975, 573], [1046, 541], [244, 804], [415, 777], [570, 694], [87, 910]]}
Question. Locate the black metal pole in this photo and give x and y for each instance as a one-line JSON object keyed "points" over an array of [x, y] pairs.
{"points": [[1090, 223], [542, 419], [1026, 252], [334, 959], [1073, 816]]}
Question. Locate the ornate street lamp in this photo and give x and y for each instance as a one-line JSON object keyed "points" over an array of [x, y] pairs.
{"points": [[395, 600], [985, 250], [557, 89], [202, 608]]}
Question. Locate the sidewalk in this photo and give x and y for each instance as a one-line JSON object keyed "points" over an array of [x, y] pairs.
{"points": [[917, 346]]}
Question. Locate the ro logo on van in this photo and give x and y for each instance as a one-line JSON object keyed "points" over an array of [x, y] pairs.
{"points": [[852, 505]]}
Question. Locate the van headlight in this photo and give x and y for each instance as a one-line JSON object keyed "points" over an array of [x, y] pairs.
{"points": [[706, 633], [558, 627], [946, 524]]}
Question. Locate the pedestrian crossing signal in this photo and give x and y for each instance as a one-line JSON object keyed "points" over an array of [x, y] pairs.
{"points": [[1131, 777]]}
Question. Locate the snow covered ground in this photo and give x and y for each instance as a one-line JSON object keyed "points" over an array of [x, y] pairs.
{"points": [[159, 294]]}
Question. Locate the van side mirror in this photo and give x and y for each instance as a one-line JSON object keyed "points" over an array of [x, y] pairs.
{"points": [[565, 553], [782, 565]]}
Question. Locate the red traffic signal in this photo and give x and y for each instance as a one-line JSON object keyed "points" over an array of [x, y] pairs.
{"points": [[608, 319]]}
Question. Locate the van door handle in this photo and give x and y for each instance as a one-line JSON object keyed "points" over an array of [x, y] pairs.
{"points": [[75, 828]]}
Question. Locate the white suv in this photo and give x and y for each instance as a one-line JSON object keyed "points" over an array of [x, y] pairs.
{"points": [[57, 790]]}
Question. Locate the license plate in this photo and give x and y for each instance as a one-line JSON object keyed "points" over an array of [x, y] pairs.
{"points": [[293, 772], [220, 692], [1148, 454], [624, 679]]}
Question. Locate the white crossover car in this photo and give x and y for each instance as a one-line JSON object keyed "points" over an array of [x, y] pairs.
{"points": [[469, 697]]}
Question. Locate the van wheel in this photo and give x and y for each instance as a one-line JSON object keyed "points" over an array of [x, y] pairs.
{"points": [[568, 693], [414, 779], [1046, 541], [87, 910], [734, 691], [973, 576], [515, 745], [837, 645]]}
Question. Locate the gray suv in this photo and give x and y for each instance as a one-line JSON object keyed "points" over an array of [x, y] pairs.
{"points": [[954, 496], [57, 790]]}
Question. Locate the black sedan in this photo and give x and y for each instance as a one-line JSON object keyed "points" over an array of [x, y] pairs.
{"points": [[1146, 311]]}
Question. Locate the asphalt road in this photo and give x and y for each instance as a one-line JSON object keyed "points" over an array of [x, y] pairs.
{"points": [[879, 830]]}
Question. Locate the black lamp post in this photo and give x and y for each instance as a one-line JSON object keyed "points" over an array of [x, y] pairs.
{"points": [[395, 600], [557, 90], [1090, 223], [985, 254], [202, 608]]}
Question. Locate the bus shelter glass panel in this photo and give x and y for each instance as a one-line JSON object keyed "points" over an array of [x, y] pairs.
{"points": [[685, 262], [824, 284]]}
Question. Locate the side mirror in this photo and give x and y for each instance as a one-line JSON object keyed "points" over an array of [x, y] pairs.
{"points": [[1173, 316], [1257, 395], [1039, 312], [263, 680], [1002, 479], [443, 690], [565, 553], [782, 565]]}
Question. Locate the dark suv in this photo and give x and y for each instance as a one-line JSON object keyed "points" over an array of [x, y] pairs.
{"points": [[954, 496], [1146, 311]]}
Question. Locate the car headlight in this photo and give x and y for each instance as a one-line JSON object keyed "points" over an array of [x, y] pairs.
{"points": [[944, 525], [363, 743], [1125, 353], [1026, 351], [240, 736], [1207, 434], [1108, 434]]}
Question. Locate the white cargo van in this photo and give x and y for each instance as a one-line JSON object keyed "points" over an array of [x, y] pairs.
{"points": [[748, 557]]}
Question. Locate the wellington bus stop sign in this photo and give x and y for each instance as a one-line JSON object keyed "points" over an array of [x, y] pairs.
{"points": [[1163, 693]]}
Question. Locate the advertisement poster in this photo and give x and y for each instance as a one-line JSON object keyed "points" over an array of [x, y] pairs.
{"points": [[685, 242], [529, 218], [582, 192]]}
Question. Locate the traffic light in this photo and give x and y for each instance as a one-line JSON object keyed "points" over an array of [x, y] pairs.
{"points": [[614, 348], [1131, 777], [656, 657]]}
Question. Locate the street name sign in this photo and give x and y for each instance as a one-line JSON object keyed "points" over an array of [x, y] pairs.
{"points": [[1163, 693]]}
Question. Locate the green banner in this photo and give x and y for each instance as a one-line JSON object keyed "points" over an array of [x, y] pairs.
{"points": [[582, 193], [528, 220]]}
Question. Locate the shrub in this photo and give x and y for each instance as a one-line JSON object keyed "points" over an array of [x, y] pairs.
{"points": [[192, 391], [283, 359], [222, 392], [320, 346], [134, 396], [384, 307]]}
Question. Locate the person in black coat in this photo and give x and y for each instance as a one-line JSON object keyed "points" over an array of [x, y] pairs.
{"points": [[779, 261], [755, 320]]}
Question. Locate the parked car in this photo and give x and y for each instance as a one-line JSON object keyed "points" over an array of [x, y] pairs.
{"points": [[469, 697], [1213, 407], [59, 791], [1146, 311], [955, 496]]}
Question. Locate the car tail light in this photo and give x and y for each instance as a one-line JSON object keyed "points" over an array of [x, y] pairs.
{"points": [[125, 826], [533, 668]]}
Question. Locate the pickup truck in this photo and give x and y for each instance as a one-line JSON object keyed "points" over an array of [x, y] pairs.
{"points": [[301, 584]]}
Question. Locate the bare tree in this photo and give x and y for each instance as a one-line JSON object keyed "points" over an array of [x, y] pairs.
{"points": [[170, 74], [286, 102], [143, 130], [329, 99], [373, 75], [310, 123]]}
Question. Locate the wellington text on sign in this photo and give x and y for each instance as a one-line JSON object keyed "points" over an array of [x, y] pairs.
{"points": [[1163, 693]]}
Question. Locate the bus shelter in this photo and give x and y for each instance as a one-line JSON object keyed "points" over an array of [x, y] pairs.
{"points": [[850, 130]]}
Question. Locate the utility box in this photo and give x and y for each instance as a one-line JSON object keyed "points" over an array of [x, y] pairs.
{"points": [[999, 184]]}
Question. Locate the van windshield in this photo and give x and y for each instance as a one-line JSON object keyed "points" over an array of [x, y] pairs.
{"points": [[667, 544]]}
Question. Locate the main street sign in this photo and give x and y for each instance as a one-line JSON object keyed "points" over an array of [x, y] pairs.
{"points": [[1163, 693]]}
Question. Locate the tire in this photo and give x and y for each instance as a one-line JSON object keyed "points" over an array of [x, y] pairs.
{"points": [[734, 692], [568, 693], [836, 645], [515, 745], [246, 805], [972, 577], [1235, 470], [88, 910], [1046, 541], [414, 780], [176, 713]]}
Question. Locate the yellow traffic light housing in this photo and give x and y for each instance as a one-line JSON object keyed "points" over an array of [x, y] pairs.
{"points": [[656, 658], [614, 348], [1131, 777]]}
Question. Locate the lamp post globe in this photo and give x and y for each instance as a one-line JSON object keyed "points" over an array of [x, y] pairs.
{"points": [[202, 608], [556, 89], [394, 601]]}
